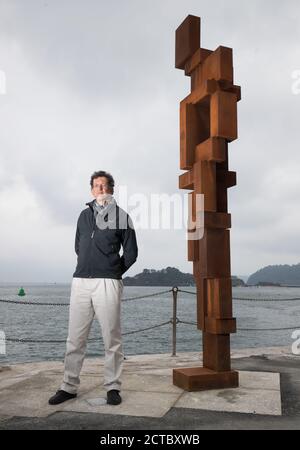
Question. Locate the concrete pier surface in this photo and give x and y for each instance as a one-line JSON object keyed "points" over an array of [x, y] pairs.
{"points": [[268, 396]]}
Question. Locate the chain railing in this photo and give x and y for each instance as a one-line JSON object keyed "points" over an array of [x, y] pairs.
{"points": [[248, 329], [18, 302], [174, 320], [89, 340], [252, 299]]}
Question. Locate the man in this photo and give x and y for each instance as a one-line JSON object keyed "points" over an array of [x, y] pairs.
{"points": [[97, 287]]}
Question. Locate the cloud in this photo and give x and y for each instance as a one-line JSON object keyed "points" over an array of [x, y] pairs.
{"points": [[92, 85]]}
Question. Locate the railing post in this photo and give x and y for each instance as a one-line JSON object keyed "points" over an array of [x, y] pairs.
{"points": [[174, 320]]}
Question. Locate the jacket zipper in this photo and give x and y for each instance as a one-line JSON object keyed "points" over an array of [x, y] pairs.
{"points": [[92, 236]]}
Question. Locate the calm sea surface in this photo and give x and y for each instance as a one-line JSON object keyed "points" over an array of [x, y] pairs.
{"points": [[19, 321]]}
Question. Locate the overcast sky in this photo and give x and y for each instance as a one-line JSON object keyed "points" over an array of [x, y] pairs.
{"points": [[91, 85]]}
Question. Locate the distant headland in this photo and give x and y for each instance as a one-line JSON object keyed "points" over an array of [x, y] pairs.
{"points": [[276, 276], [170, 276]]}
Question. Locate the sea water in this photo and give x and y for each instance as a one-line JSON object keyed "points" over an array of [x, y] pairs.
{"points": [[34, 322]]}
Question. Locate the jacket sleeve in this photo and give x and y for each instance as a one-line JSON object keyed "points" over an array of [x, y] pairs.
{"points": [[77, 237], [129, 244]]}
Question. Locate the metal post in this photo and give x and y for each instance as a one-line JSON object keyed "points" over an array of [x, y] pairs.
{"points": [[174, 320]]}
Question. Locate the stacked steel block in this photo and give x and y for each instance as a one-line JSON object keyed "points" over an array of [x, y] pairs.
{"points": [[208, 122]]}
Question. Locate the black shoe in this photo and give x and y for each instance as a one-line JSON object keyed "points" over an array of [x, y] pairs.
{"points": [[61, 396], [113, 397]]}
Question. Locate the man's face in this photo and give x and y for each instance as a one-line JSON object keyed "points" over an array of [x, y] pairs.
{"points": [[100, 187]]}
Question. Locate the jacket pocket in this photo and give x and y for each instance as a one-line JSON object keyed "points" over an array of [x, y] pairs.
{"points": [[114, 257]]}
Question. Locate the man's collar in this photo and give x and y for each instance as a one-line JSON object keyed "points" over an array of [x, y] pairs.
{"points": [[91, 204]]}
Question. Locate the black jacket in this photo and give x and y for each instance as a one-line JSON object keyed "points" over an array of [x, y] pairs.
{"points": [[98, 249]]}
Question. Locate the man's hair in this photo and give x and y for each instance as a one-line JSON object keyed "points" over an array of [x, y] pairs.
{"points": [[108, 176]]}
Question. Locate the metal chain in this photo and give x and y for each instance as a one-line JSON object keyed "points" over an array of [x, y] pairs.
{"points": [[252, 299], [29, 341], [141, 330], [187, 323], [187, 292], [146, 296], [89, 340], [33, 303], [149, 328], [268, 329], [249, 329], [19, 302], [265, 299]]}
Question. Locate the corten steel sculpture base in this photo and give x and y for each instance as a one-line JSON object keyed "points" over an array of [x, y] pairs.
{"points": [[208, 122]]}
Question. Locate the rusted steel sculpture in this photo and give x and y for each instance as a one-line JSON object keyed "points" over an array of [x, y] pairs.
{"points": [[208, 122]]}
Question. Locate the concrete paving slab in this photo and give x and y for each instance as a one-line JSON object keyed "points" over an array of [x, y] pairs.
{"points": [[147, 388], [50, 383], [28, 404], [8, 382], [140, 404], [258, 393], [184, 418], [98, 401], [150, 371], [144, 382], [259, 380]]}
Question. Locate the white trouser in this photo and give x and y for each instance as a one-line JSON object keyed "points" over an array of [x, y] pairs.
{"points": [[89, 297]]}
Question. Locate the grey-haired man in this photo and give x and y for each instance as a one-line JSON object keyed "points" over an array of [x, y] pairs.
{"points": [[102, 228]]}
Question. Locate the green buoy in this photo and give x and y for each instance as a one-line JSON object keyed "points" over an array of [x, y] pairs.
{"points": [[21, 292]]}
